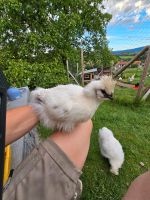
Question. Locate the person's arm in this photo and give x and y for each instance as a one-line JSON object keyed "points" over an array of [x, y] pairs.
{"points": [[18, 122]]}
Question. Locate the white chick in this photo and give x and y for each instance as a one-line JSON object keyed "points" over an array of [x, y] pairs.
{"points": [[64, 106], [111, 148]]}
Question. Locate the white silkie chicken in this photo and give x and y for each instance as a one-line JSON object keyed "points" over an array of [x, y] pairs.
{"points": [[111, 148], [64, 106]]}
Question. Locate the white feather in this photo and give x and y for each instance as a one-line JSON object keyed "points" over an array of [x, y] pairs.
{"points": [[64, 106], [111, 148]]}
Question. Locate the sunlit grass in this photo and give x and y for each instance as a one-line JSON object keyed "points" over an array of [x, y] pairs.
{"points": [[130, 124], [138, 73]]}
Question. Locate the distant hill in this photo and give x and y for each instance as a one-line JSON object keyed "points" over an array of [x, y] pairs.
{"points": [[128, 51]]}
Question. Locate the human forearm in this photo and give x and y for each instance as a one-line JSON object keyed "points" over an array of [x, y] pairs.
{"points": [[18, 122]]}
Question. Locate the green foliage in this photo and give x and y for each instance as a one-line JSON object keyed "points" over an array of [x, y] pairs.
{"points": [[107, 58], [21, 73], [37, 37], [115, 59], [32, 27], [100, 57]]}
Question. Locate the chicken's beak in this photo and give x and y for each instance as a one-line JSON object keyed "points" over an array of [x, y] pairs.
{"points": [[108, 96]]}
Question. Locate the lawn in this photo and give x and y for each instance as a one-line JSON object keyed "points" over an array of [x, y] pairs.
{"points": [[127, 57], [130, 124], [138, 72]]}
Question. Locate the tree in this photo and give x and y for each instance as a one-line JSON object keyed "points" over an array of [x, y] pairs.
{"points": [[51, 27], [44, 30], [107, 58], [100, 57]]}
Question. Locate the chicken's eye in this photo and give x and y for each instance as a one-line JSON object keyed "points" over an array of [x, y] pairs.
{"points": [[103, 91]]}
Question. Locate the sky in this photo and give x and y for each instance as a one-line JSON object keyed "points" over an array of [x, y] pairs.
{"points": [[130, 24]]}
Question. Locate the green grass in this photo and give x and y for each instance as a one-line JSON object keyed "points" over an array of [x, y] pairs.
{"points": [[129, 57], [130, 125], [138, 72]]}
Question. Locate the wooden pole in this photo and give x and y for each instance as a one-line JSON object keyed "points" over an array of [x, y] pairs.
{"points": [[145, 70], [82, 65], [130, 62], [67, 65], [77, 68]]}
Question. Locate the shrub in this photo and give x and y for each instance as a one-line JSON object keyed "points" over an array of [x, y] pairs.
{"points": [[21, 73]]}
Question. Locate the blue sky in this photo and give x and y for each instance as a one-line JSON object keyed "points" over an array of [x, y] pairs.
{"points": [[130, 24]]}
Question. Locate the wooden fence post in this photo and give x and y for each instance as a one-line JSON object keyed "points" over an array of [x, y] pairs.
{"points": [[77, 68], [67, 65], [130, 62], [145, 70], [82, 65]]}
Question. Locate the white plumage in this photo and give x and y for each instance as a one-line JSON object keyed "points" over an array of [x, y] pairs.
{"points": [[64, 106], [111, 149]]}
